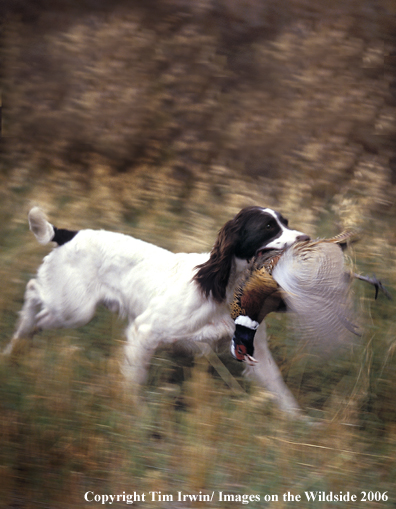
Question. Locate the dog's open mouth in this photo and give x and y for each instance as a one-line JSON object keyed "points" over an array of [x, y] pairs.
{"points": [[272, 251], [265, 251]]}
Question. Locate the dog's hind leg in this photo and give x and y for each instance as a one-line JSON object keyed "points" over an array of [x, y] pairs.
{"points": [[28, 316]]}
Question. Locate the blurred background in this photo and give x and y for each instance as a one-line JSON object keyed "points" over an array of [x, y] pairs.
{"points": [[161, 119]]}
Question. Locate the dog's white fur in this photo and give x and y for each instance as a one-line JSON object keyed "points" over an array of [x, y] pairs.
{"points": [[153, 288]]}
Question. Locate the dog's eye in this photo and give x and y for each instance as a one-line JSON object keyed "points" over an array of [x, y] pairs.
{"points": [[269, 225]]}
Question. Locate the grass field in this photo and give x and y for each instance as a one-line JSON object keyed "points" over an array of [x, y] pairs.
{"points": [[69, 427], [161, 119]]}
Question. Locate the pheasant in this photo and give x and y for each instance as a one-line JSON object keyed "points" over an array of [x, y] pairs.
{"points": [[309, 279]]}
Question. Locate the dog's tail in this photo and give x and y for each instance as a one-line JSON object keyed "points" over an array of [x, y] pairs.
{"points": [[46, 232], [39, 225]]}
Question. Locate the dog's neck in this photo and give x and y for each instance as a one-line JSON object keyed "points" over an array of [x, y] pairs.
{"points": [[237, 267]]}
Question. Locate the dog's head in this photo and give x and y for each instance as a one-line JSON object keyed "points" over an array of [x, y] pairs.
{"points": [[251, 231], [259, 230]]}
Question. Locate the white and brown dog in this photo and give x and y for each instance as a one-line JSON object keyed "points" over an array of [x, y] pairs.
{"points": [[166, 297]]}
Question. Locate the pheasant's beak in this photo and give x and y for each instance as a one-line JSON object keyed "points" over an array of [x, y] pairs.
{"points": [[239, 352], [250, 360]]}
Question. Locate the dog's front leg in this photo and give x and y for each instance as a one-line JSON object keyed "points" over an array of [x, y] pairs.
{"points": [[138, 351], [266, 373]]}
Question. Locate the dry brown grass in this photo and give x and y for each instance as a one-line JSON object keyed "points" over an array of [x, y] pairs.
{"points": [[162, 121]]}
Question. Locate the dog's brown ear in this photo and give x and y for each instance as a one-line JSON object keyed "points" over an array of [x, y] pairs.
{"points": [[213, 275]]}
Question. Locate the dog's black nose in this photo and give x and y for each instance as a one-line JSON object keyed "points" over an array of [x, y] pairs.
{"points": [[303, 238]]}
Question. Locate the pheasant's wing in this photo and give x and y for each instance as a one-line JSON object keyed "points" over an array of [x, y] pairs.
{"points": [[316, 289]]}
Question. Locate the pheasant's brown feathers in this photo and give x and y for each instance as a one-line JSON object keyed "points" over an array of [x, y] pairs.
{"points": [[255, 287], [251, 294]]}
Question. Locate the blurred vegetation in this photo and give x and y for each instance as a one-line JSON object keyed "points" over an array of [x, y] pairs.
{"points": [[161, 119]]}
